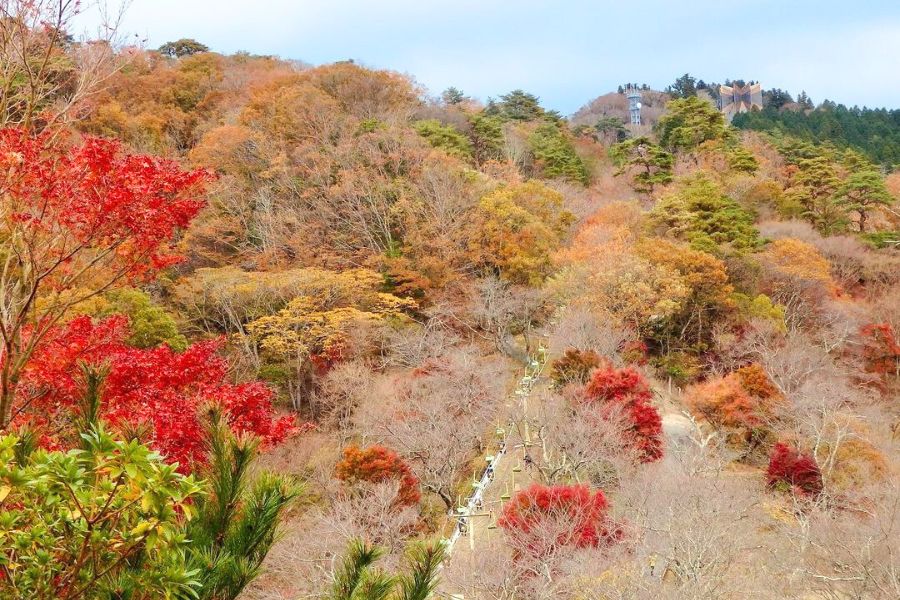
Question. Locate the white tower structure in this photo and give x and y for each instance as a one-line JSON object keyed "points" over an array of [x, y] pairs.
{"points": [[634, 104]]}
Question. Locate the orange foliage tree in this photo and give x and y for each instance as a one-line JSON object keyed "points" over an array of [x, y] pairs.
{"points": [[708, 300], [881, 350], [574, 366], [798, 259], [378, 464], [796, 276], [744, 400]]}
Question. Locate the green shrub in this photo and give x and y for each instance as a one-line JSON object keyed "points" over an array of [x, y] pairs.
{"points": [[445, 137]]}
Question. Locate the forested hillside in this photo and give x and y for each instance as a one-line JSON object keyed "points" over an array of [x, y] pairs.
{"points": [[873, 132], [274, 331]]}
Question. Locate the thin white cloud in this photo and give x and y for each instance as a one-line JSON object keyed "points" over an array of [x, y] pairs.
{"points": [[566, 52]]}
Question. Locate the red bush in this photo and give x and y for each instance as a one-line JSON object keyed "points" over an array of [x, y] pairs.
{"points": [[540, 520], [378, 464], [617, 385], [881, 349], [156, 386], [626, 391], [789, 467]]}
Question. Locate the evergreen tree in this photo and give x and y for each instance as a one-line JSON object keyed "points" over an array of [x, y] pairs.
{"points": [[776, 98], [611, 128], [689, 122], [741, 159], [452, 96], [861, 193], [813, 189], [237, 520], [517, 105], [650, 164], [684, 87], [700, 213], [486, 137], [555, 154], [445, 137], [875, 133], [181, 48], [357, 579]]}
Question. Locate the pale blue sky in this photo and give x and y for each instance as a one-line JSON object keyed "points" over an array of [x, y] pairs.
{"points": [[565, 52]]}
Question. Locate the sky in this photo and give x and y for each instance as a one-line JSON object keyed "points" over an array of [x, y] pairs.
{"points": [[565, 52]]}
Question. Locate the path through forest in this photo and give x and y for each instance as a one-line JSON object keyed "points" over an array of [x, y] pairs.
{"points": [[513, 469], [509, 470]]}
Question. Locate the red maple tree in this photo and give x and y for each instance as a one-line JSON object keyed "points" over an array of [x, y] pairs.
{"points": [[799, 471], [378, 464], [541, 520], [626, 392], [78, 219], [881, 349], [157, 387]]}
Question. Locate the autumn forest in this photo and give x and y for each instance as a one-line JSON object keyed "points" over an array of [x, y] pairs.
{"points": [[275, 331]]}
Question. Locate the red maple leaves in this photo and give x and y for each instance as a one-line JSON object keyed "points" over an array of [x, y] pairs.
{"points": [[541, 520], [76, 219], [95, 199], [157, 387], [626, 391], [798, 471]]}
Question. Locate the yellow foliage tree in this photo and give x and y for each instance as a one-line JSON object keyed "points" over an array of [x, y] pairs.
{"points": [[709, 295], [317, 330], [519, 228], [799, 260]]}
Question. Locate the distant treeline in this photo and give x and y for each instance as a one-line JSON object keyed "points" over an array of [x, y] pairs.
{"points": [[874, 132]]}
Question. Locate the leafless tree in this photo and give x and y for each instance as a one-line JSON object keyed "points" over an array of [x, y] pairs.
{"points": [[580, 443], [582, 329], [502, 310], [341, 391], [412, 346], [370, 513], [506, 567], [696, 525], [300, 563], [854, 554], [789, 359], [439, 418], [46, 74]]}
